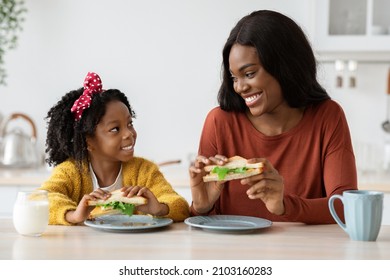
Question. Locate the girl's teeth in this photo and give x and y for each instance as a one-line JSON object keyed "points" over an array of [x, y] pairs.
{"points": [[127, 148]]}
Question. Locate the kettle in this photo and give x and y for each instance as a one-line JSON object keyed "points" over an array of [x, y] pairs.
{"points": [[18, 149]]}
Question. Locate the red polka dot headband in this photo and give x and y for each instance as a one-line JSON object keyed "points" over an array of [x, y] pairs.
{"points": [[92, 85]]}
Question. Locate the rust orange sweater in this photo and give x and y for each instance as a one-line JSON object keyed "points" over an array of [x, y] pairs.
{"points": [[315, 158]]}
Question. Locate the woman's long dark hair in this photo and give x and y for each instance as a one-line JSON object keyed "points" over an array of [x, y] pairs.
{"points": [[66, 138], [284, 52]]}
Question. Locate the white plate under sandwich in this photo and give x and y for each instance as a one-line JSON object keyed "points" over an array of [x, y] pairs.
{"points": [[228, 223], [128, 223]]}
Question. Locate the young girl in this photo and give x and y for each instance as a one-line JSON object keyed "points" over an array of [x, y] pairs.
{"points": [[90, 141]]}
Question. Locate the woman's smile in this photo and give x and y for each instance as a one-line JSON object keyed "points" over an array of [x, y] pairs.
{"points": [[252, 100]]}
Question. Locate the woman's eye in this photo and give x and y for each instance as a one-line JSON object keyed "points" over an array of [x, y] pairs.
{"points": [[234, 79], [250, 74]]}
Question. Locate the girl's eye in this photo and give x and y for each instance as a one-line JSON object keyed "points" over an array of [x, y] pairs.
{"points": [[115, 129], [130, 124]]}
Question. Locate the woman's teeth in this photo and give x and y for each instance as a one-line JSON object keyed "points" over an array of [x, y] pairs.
{"points": [[250, 99]]}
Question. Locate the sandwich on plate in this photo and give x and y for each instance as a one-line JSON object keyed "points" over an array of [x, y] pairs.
{"points": [[236, 168], [115, 204]]}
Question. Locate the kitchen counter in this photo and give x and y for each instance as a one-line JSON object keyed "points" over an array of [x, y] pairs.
{"points": [[177, 175], [20, 177], [182, 242]]}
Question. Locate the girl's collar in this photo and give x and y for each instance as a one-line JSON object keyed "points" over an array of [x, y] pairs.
{"points": [[112, 186]]}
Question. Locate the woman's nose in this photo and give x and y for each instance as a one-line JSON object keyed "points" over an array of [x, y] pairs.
{"points": [[241, 86]]}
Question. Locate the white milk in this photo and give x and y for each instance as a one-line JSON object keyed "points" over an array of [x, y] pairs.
{"points": [[31, 217]]}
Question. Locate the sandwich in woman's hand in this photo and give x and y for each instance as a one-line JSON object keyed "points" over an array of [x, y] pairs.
{"points": [[236, 168], [115, 204]]}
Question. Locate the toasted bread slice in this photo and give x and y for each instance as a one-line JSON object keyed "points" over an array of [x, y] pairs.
{"points": [[116, 195], [100, 211], [235, 162]]}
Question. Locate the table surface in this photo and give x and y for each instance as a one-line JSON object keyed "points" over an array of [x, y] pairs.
{"points": [[179, 241]]}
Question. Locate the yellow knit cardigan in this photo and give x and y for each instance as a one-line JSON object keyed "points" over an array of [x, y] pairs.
{"points": [[67, 185]]}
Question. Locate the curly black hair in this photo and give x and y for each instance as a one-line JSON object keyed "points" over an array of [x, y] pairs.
{"points": [[284, 52], [66, 138]]}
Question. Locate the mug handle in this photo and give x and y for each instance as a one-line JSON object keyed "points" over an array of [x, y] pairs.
{"points": [[333, 212]]}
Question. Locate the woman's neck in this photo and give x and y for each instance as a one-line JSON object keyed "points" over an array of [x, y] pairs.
{"points": [[275, 123]]}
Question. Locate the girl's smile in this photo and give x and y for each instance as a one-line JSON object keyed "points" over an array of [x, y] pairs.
{"points": [[128, 148]]}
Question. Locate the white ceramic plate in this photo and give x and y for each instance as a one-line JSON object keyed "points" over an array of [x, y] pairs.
{"points": [[128, 223], [228, 223]]}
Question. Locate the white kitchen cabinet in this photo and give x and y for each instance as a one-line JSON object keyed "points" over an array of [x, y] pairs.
{"points": [[359, 28]]}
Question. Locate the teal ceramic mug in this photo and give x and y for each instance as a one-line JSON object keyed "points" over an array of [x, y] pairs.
{"points": [[362, 212]]}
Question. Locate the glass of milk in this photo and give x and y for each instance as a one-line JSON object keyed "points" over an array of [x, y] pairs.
{"points": [[31, 212]]}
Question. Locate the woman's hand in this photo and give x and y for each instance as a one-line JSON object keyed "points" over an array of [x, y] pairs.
{"points": [[204, 195], [153, 207], [82, 211], [267, 186]]}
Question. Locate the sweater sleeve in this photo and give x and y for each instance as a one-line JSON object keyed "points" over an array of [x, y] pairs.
{"points": [[338, 173], [63, 187], [150, 176]]}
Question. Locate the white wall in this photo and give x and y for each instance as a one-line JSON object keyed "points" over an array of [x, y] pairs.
{"points": [[165, 55]]}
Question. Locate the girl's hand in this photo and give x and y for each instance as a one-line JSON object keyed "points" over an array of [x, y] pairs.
{"points": [[82, 211], [204, 195], [153, 207], [267, 186]]}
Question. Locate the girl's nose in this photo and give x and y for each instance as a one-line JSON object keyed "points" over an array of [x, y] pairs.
{"points": [[129, 134]]}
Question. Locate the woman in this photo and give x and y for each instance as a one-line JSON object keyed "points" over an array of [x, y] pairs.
{"points": [[273, 110]]}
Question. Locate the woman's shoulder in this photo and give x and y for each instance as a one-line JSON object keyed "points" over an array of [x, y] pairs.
{"points": [[329, 107], [326, 111], [326, 115], [218, 113]]}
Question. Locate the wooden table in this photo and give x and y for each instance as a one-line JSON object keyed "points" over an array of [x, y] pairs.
{"points": [[182, 242]]}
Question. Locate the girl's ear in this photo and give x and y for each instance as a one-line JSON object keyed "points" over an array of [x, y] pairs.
{"points": [[89, 144]]}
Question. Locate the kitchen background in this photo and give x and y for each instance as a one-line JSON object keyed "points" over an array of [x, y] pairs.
{"points": [[166, 56]]}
